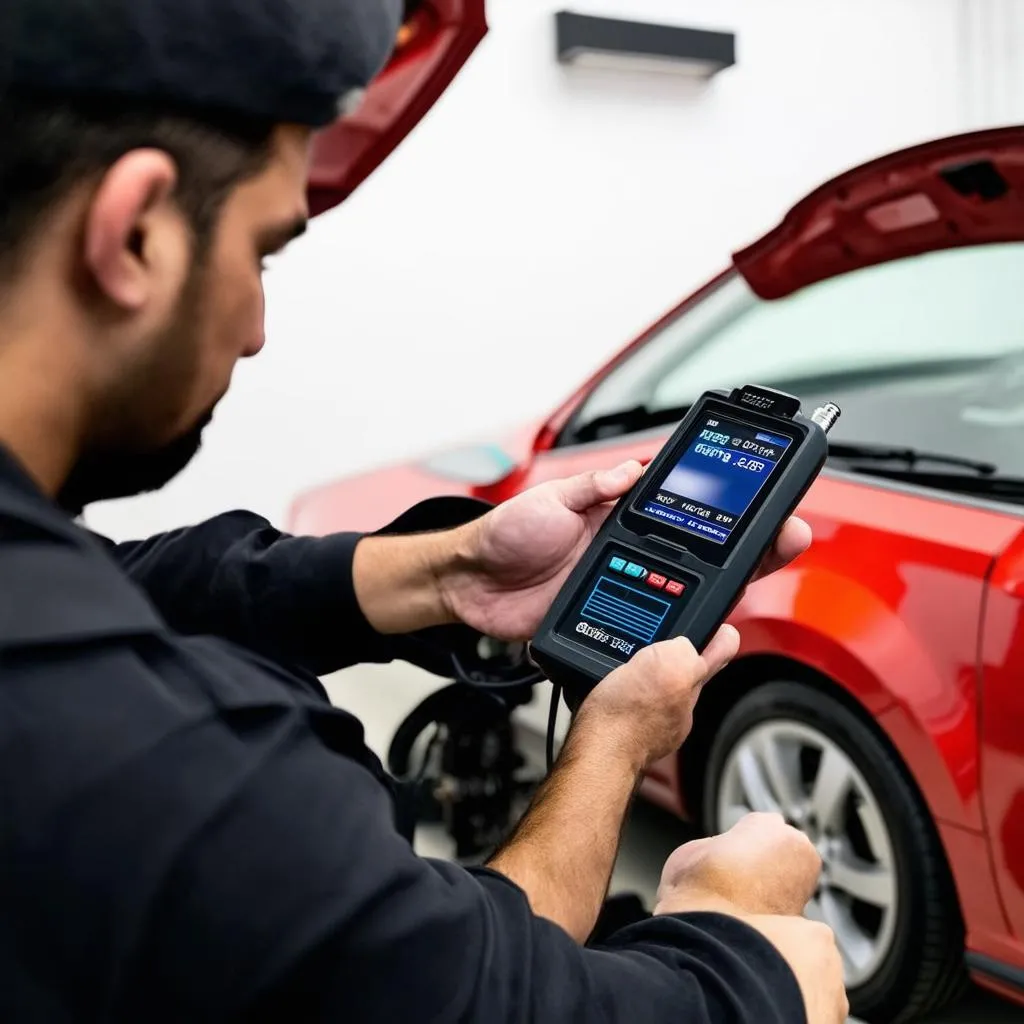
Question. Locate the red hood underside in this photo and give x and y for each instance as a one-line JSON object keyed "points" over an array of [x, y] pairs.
{"points": [[965, 190], [433, 44]]}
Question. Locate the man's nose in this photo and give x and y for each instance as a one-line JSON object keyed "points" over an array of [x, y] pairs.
{"points": [[255, 346]]}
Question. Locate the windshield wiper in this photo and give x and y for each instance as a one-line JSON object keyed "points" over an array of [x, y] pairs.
{"points": [[911, 457], [627, 421], [1004, 488]]}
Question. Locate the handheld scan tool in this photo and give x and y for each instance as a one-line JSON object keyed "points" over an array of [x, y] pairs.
{"points": [[675, 554]]}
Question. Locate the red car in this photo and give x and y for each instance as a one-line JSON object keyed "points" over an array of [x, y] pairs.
{"points": [[879, 698]]}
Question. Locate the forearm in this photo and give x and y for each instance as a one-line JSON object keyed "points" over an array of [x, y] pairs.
{"points": [[398, 579], [564, 849], [293, 599]]}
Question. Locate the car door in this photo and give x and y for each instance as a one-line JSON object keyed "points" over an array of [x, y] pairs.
{"points": [[1001, 658]]}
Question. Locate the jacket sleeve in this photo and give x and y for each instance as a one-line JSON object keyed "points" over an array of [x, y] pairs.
{"points": [[289, 598], [296, 900], [236, 577]]}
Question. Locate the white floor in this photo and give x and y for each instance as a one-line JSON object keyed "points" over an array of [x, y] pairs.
{"points": [[382, 695]]}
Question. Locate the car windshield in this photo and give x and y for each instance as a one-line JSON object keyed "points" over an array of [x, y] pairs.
{"points": [[925, 352]]}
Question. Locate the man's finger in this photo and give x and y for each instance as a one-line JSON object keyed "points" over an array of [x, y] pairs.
{"points": [[579, 493], [721, 649], [793, 540]]}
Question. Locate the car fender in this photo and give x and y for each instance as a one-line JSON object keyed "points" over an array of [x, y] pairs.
{"points": [[844, 632]]}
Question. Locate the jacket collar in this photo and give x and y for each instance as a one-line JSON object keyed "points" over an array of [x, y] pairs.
{"points": [[57, 584]]}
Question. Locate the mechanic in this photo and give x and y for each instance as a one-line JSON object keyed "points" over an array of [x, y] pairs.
{"points": [[190, 831]]}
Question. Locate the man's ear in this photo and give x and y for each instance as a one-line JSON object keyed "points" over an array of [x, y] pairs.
{"points": [[133, 230]]}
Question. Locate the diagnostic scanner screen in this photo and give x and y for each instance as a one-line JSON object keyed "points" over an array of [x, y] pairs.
{"points": [[724, 468], [627, 604]]}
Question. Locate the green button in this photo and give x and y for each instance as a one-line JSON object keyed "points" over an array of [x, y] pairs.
{"points": [[617, 564], [635, 570]]}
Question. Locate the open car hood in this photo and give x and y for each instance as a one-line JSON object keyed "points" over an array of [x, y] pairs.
{"points": [[434, 42], [963, 190]]}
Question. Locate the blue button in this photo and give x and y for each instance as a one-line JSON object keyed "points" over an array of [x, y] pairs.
{"points": [[617, 564], [635, 570]]}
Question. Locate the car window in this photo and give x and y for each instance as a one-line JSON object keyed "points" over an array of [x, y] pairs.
{"points": [[925, 351]]}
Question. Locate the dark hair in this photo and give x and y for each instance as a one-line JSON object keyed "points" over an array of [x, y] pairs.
{"points": [[49, 146]]}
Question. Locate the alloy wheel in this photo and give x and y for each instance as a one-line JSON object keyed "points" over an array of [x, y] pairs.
{"points": [[789, 768]]}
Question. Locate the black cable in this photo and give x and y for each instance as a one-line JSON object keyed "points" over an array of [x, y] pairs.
{"points": [[463, 676], [556, 696], [493, 688]]}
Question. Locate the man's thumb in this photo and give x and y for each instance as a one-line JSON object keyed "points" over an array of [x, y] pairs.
{"points": [[586, 490]]}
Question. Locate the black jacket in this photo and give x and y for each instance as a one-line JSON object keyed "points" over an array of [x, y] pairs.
{"points": [[190, 832]]}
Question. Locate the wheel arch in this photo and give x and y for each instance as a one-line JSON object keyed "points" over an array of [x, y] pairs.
{"points": [[843, 638], [729, 687], [744, 676], [748, 673]]}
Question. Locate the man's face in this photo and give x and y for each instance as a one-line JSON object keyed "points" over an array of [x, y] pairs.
{"points": [[166, 398]]}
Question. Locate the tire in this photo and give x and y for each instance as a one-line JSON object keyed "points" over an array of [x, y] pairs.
{"points": [[905, 938]]}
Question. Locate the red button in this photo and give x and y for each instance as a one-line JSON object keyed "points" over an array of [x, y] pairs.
{"points": [[674, 587], [656, 581]]}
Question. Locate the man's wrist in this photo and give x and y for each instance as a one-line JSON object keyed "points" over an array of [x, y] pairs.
{"points": [[454, 559], [401, 582], [683, 900], [593, 734]]}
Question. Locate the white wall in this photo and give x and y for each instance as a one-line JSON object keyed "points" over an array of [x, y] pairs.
{"points": [[539, 217]]}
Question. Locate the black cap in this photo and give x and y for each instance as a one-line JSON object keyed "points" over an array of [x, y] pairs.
{"points": [[283, 61]]}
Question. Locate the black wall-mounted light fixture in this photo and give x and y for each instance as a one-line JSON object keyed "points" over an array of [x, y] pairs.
{"points": [[588, 40]]}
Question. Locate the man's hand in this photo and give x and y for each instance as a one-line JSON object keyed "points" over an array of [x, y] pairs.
{"points": [[500, 573], [512, 562], [763, 872], [647, 704], [761, 866]]}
